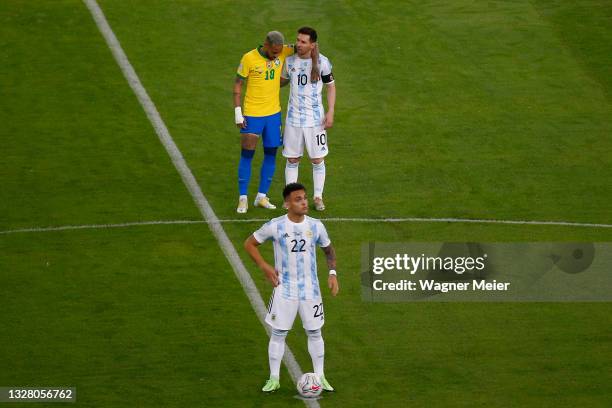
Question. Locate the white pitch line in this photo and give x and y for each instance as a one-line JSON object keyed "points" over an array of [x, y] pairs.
{"points": [[468, 220], [181, 165], [447, 220], [331, 219], [99, 226]]}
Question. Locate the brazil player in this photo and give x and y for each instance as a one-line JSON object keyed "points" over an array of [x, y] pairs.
{"points": [[307, 122], [260, 68], [294, 277]]}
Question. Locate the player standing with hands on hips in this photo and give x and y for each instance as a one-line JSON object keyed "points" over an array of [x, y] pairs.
{"points": [[294, 277], [307, 122]]}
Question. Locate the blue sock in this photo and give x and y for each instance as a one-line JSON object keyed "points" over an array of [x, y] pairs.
{"points": [[267, 169], [244, 170]]}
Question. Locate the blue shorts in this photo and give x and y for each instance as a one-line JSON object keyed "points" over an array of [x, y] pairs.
{"points": [[269, 127]]}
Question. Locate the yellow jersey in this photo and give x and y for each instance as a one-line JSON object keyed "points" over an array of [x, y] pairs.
{"points": [[262, 97]]}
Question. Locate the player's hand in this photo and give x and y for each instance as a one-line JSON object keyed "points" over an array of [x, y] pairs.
{"points": [[271, 274], [332, 283], [329, 120], [239, 119]]}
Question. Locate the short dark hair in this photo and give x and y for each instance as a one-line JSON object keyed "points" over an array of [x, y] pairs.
{"points": [[291, 187], [309, 32]]}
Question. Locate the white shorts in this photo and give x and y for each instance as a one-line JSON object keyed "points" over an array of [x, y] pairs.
{"points": [[281, 312], [315, 139]]}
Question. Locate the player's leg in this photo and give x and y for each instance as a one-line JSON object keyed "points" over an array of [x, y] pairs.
{"points": [[276, 349], [248, 142], [311, 313], [266, 174], [293, 149], [292, 170], [317, 150], [318, 177], [316, 348], [271, 137], [280, 316]]}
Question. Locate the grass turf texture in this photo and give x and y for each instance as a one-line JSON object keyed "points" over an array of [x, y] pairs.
{"points": [[467, 110], [129, 318]]}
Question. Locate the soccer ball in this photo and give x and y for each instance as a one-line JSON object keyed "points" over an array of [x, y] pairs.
{"points": [[309, 385]]}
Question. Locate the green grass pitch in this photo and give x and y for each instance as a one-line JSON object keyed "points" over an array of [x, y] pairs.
{"points": [[467, 109]]}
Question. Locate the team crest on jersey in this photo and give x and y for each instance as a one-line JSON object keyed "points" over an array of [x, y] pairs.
{"points": [[309, 234], [277, 62], [286, 235]]}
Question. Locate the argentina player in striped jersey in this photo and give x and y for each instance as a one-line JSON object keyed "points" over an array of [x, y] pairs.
{"points": [[307, 122], [295, 237]]}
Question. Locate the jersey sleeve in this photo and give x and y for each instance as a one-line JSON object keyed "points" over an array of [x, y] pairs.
{"points": [[265, 233], [243, 68], [323, 239]]}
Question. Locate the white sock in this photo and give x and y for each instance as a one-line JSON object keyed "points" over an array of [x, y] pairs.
{"points": [[316, 348], [291, 172], [242, 197], [260, 196], [276, 349], [318, 177]]}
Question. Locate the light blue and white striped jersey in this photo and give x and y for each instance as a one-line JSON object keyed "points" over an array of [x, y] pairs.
{"points": [[295, 255], [305, 101]]}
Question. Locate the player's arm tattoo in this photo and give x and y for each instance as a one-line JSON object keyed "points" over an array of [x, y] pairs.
{"points": [[330, 254], [238, 91], [314, 73]]}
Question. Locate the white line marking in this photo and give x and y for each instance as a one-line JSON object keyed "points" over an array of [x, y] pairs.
{"points": [[467, 220], [179, 162], [253, 220], [99, 226], [448, 220]]}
